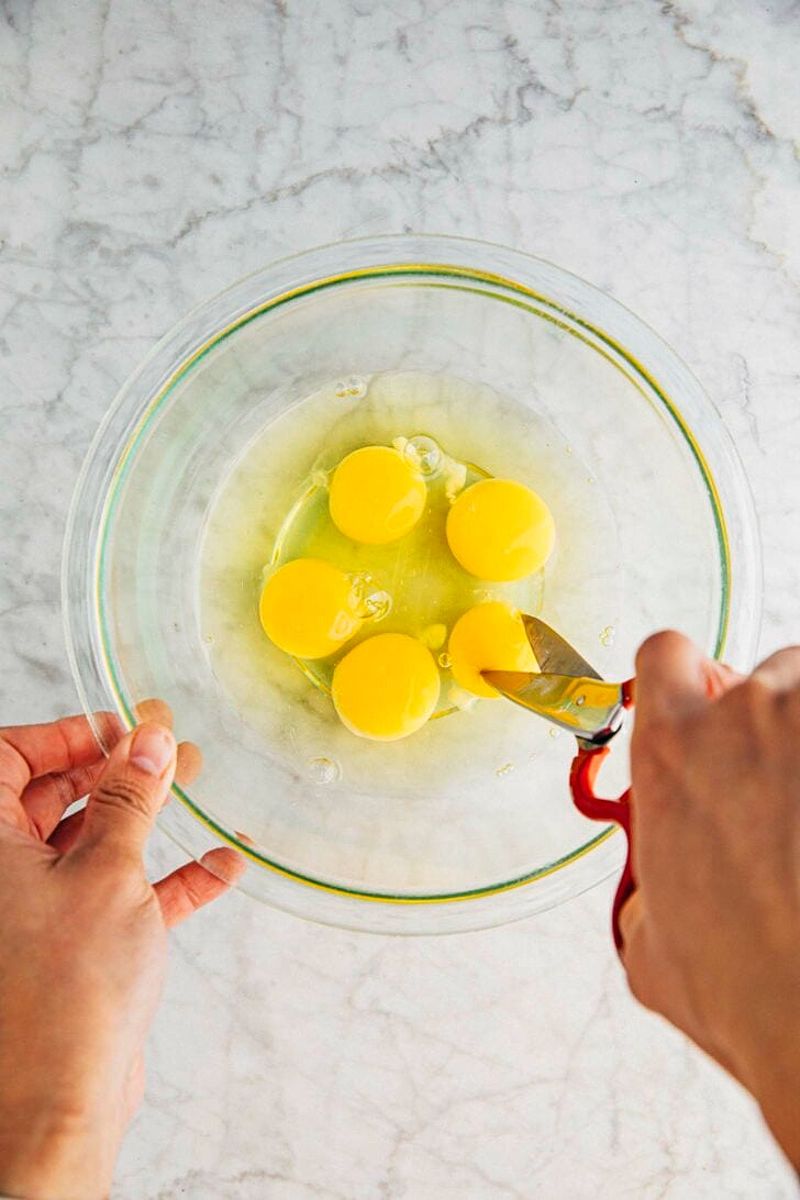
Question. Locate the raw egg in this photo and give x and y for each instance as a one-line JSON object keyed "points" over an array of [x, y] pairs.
{"points": [[376, 495], [309, 608], [488, 637], [387, 687], [500, 530]]}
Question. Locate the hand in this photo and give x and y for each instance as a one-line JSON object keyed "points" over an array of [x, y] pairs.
{"points": [[712, 935], [83, 942]]}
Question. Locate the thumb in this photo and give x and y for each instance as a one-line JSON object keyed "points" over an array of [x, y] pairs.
{"points": [[122, 807]]}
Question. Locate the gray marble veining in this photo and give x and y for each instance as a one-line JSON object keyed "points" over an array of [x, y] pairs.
{"points": [[152, 153]]}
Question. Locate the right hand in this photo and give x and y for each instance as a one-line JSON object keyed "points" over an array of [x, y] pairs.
{"points": [[711, 937]]}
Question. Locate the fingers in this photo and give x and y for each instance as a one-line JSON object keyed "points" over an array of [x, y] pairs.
{"points": [[154, 710], [57, 746], [189, 764], [780, 671], [122, 807], [673, 678], [70, 743], [197, 883], [45, 768], [45, 800], [29, 752], [46, 797]]}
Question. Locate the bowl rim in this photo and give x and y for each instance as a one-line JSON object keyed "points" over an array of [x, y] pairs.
{"points": [[387, 256]]}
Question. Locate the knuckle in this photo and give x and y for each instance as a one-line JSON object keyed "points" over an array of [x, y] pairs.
{"points": [[81, 783], [124, 794], [109, 728], [194, 894], [789, 657], [65, 790], [788, 704], [654, 648], [74, 786], [747, 705], [750, 693]]}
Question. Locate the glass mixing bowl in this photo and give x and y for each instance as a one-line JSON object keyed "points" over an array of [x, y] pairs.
{"points": [[469, 823]]}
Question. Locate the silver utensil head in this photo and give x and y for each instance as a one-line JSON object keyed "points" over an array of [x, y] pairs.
{"points": [[553, 653]]}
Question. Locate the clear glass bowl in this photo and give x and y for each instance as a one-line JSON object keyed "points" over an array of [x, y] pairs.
{"points": [[469, 823]]}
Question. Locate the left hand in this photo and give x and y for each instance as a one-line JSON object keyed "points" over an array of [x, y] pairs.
{"points": [[83, 941]]}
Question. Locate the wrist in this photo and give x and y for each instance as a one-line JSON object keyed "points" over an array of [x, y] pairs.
{"points": [[46, 1155]]}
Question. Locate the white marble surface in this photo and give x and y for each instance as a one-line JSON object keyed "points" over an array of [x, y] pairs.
{"points": [[153, 152]]}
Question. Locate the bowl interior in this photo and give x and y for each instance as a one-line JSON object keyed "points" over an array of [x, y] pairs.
{"points": [[477, 802]]}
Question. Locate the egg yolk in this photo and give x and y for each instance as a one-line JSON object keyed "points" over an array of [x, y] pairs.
{"points": [[376, 495], [500, 530], [308, 608], [488, 637], [387, 687]]}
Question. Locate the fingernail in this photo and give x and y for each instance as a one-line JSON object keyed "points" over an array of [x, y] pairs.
{"points": [[152, 749]]}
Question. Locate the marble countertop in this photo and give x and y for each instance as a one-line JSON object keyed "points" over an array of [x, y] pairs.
{"points": [[152, 153]]}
